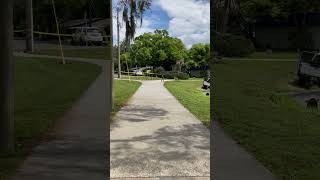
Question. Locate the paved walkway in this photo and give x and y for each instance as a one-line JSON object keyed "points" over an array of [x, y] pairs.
{"points": [[155, 137], [79, 148], [232, 162]]}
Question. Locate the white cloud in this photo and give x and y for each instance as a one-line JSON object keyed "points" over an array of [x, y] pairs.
{"points": [[190, 20]]}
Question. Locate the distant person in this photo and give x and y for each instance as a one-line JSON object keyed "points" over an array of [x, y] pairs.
{"points": [[162, 78]]}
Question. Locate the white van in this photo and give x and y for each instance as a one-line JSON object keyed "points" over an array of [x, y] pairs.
{"points": [[87, 35]]}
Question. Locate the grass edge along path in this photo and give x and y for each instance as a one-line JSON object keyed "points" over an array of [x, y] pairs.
{"points": [[189, 94], [44, 91], [124, 90], [280, 133]]}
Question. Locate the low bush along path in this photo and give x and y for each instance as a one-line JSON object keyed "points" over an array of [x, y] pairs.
{"points": [[155, 136]]}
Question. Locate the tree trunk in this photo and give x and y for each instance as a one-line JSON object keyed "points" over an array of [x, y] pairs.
{"points": [[109, 83], [29, 25], [225, 16], [6, 77], [118, 33]]}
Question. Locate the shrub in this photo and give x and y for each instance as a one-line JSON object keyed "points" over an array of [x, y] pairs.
{"points": [[169, 75], [232, 45], [159, 70], [174, 74], [182, 75]]}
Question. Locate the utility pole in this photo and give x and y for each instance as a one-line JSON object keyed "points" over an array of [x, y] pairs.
{"points": [[29, 25], [118, 32], [6, 77]]}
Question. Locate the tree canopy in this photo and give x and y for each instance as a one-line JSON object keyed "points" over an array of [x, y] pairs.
{"points": [[132, 10], [157, 49], [198, 55]]}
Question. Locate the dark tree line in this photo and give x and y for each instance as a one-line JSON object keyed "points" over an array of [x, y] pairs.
{"points": [[66, 10]]}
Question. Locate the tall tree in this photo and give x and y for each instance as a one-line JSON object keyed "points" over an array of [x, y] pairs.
{"points": [[223, 9], [157, 49], [132, 11]]}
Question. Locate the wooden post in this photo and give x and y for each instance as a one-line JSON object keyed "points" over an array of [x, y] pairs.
{"points": [[6, 77]]}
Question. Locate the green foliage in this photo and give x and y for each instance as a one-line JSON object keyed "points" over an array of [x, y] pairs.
{"points": [[159, 70], [157, 49], [176, 75], [233, 45], [198, 55], [131, 11], [251, 9], [126, 61], [281, 10]]}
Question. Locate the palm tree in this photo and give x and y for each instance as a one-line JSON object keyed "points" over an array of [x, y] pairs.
{"points": [[133, 10]]}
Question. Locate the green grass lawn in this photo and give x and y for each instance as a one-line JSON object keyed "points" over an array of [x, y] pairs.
{"points": [[280, 133], [274, 55], [44, 90], [140, 78], [95, 53], [123, 91], [190, 96]]}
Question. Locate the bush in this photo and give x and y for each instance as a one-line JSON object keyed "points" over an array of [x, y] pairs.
{"points": [[159, 70], [182, 76], [232, 45], [178, 75]]}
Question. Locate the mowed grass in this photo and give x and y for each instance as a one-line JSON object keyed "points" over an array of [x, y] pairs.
{"points": [[274, 55], [280, 133], [123, 91], [44, 91], [140, 78], [94, 53], [190, 96]]}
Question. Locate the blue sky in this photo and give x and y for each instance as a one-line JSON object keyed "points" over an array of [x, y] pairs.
{"points": [[188, 20]]}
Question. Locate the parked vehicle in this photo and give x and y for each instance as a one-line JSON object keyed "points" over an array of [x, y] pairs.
{"points": [[309, 67], [140, 71], [87, 35]]}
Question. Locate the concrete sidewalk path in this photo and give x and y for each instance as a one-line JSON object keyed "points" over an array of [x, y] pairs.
{"points": [[78, 150], [155, 137], [232, 161]]}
